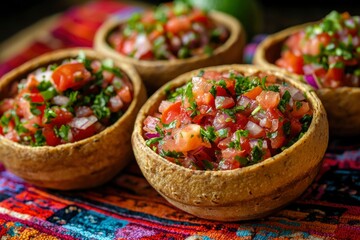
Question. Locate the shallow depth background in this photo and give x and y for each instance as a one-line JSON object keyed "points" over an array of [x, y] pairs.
{"points": [[18, 14]]}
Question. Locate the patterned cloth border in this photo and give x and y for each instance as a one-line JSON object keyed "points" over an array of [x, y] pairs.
{"points": [[129, 208]]}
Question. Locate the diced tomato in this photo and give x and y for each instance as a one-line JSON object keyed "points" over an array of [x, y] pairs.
{"points": [[24, 108], [212, 75], [50, 136], [79, 134], [63, 117], [171, 113], [230, 88], [313, 45], [334, 77], [291, 62], [294, 42], [178, 24], [253, 93], [148, 17], [108, 76], [295, 127], [117, 41], [70, 75], [188, 138], [32, 123], [154, 35], [125, 94], [199, 16], [224, 102], [268, 99], [6, 104], [300, 109], [278, 141], [32, 83], [12, 135]]}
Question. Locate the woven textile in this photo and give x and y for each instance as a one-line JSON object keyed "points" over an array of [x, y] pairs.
{"points": [[129, 208]]}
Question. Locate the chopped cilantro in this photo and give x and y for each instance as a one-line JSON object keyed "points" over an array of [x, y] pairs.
{"points": [[44, 85], [242, 160], [152, 141], [201, 73], [63, 132], [208, 164], [257, 154], [39, 139], [49, 114], [208, 134], [284, 101], [171, 154]]}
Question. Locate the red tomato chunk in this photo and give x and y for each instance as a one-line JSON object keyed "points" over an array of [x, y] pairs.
{"points": [[326, 53], [171, 31], [225, 120], [65, 103]]}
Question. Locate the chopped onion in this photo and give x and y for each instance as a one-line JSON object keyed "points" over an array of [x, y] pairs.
{"points": [[83, 111], [143, 45], [274, 125], [60, 100], [253, 128], [150, 124], [295, 93], [310, 79], [150, 135], [244, 101], [83, 122], [115, 103], [42, 75], [254, 142]]}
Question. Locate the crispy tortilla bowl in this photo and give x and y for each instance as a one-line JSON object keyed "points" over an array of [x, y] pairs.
{"points": [[343, 114], [246, 193], [157, 72], [82, 164]]}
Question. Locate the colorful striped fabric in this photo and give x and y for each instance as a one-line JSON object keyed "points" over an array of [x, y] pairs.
{"points": [[129, 208]]}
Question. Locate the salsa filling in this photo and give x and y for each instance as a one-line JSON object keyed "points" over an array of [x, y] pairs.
{"points": [[327, 53], [227, 120], [66, 102], [170, 31]]}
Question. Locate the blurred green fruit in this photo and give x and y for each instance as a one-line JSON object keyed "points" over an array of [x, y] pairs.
{"points": [[248, 12]]}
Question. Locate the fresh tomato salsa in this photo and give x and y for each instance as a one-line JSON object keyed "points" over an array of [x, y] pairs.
{"points": [[170, 31], [327, 53], [64, 103], [226, 120]]}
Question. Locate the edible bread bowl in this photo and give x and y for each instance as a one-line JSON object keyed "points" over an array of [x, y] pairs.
{"points": [[245, 193], [157, 72], [82, 164], [343, 114]]}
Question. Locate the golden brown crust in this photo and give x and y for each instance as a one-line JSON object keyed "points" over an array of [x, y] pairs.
{"points": [[340, 103], [156, 73], [239, 194], [83, 164]]}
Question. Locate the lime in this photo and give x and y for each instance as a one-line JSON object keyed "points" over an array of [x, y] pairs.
{"points": [[248, 12]]}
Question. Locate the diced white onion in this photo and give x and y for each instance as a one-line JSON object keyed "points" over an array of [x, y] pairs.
{"points": [[253, 128], [42, 75], [60, 100], [83, 122]]}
